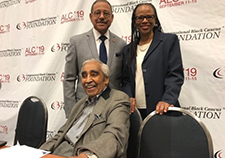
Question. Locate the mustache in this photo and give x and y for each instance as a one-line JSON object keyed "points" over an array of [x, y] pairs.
{"points": [[89, 84], [101, 21]]}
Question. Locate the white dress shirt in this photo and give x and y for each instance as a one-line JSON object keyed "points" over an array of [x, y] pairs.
{"points": [[98, 41]]}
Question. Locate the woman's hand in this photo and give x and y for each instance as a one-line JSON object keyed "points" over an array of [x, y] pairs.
{"points": [[162, 107]]}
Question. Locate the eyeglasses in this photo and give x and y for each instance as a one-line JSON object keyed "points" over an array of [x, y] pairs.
{"points": [[142, 17], [98, 13]]}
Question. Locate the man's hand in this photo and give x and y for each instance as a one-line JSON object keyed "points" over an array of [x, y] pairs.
{"points": [[162, 107]]}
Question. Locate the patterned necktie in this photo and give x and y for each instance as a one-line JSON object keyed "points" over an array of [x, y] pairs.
{"points": [[103, 54]]}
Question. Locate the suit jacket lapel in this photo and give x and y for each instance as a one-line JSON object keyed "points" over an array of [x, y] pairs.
{"points": [[92, 44], [99, 107], [133, 66], [77, 110], [155, 42], [96, 111], [112, 46], [133, 63]]}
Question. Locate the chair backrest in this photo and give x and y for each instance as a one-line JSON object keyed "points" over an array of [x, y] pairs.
{"points": [[31, 128], [174, 136], [135, 123]]}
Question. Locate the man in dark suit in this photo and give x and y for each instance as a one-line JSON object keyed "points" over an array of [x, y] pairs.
{"points": [[98, 126], [87, 46]]}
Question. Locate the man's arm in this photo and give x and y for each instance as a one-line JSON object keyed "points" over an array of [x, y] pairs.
{"points": [[49, 145], [70, 77]]}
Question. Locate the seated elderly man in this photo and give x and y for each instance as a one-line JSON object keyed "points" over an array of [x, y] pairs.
{"points": [[98, 126]]}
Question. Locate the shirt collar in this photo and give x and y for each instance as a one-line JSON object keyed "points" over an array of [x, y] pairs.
{"points": [[95, 98], [97, 34]]}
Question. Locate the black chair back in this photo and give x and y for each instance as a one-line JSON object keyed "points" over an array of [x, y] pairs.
{"points": [[135, 123], [174, 136], [31, 128]]}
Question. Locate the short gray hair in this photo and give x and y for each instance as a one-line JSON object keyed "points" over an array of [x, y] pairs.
{"points": [[104, 67]]}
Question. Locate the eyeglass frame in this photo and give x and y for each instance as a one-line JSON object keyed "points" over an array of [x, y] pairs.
{"points": [[148, 17], [98, 13]]}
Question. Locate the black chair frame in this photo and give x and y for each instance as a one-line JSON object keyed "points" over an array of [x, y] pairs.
{"points": [[168, 136]]}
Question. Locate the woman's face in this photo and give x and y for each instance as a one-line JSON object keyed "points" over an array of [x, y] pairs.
{"points": [[145, 19]]}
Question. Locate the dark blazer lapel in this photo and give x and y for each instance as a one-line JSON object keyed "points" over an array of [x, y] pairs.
{"points": [[112, 46], [155, 42], [133, 63], [92, 44], [133, 66]]}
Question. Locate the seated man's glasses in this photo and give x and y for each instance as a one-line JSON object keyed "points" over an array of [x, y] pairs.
{"points": [[98, 13], [142, 17]]}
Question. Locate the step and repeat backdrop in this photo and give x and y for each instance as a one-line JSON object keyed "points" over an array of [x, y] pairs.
{"points": [[34, 38]]}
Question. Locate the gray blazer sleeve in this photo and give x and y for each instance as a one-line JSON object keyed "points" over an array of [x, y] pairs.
{"points": [[70, 77]]}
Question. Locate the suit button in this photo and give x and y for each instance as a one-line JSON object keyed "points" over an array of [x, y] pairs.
{"points": [[144, 70]]}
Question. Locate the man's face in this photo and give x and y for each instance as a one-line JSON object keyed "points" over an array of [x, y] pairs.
{"points": [[101, 17], [93, 79]]}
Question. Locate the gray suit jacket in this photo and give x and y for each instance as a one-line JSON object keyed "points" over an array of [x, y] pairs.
{"points": [[81, 48], [105, 135]]}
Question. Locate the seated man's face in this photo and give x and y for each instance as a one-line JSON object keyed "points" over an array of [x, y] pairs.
{"points": [[93, 79]]}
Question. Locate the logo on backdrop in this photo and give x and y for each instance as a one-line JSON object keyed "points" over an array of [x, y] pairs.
{"points": [[9, 103], [127, 7], [21, 78], [199, 34], [218, 154], [3, 129], [37, 23], [41, 77], [219, 72], [174, 3], [5, 78], [21, 25], [4, 28], [57, 105], [9, 3], [72, 16], [59, 47], [10, 52], [191, 74], [212, 113], [35, 50]]}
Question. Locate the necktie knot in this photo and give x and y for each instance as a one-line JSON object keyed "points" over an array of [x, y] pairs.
{"points": [[102, 38]]}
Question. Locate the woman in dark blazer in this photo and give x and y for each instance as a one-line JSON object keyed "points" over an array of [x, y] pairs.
{"points": [[152, 64]]}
